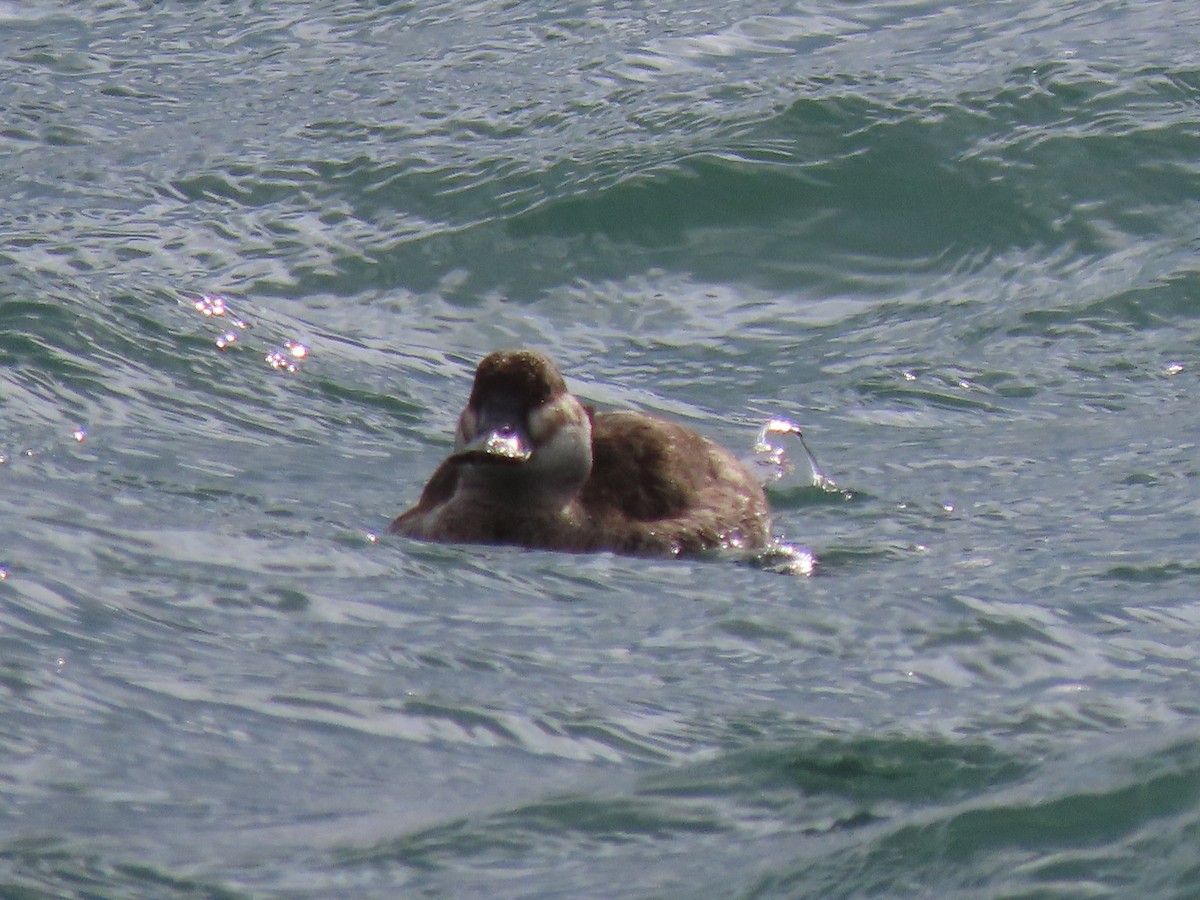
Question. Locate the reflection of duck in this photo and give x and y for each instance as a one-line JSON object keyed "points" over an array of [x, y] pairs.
{"points": [[535, 467]]}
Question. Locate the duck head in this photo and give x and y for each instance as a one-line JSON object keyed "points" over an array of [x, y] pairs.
{"points": [[523, 436]]}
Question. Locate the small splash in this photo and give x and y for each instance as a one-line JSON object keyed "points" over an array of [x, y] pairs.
{"points": [[53, 445], [1173, 369], [285, 358], [288, 357], [786, 559], [3, 574], [212, 306], [771, 459]]}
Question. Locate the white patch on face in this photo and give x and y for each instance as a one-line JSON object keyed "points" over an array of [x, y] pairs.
{"points": [[562, 439], [466, 428]]}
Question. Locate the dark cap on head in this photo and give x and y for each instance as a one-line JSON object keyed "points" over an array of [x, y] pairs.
{"points": [[527, 375]]}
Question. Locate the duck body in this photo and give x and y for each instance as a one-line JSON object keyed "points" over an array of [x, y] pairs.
{"points": [[532, 466]]}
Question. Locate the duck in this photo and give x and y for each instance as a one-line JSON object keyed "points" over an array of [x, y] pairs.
{"points": [[533, 466]]}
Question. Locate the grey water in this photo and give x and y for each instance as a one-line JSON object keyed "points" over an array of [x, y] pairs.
{"points": [[956, 243]]}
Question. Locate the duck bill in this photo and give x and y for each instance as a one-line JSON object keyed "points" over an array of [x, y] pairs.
{"points": [[498, 445]]}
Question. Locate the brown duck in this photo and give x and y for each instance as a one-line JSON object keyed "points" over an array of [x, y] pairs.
{"points": [[533, 466]]}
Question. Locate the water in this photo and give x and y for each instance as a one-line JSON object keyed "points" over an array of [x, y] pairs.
{"points": [[956, 243]]}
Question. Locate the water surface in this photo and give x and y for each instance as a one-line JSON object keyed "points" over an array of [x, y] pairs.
{"points": [[957, 244]]}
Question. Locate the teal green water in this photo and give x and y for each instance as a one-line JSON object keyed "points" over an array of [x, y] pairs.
{"points": [[957, 243]]}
